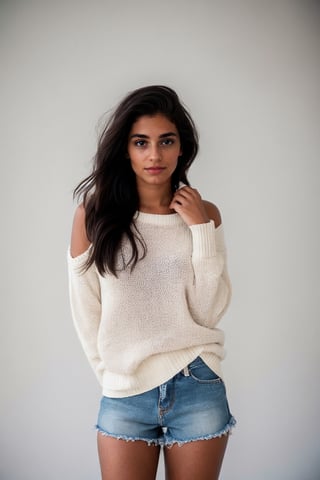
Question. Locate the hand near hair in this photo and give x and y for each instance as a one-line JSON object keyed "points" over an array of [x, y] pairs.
{"points": [[187, 202]]}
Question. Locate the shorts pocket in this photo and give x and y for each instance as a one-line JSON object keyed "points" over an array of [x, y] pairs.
{"points": [[201, 373]]}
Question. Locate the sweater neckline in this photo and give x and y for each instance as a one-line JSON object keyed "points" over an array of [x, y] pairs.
{"points": [[158, 218]]}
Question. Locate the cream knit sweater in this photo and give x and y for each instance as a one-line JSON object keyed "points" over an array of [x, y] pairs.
{"points": [[140, 329]]}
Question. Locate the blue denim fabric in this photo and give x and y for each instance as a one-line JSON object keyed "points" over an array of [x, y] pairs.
{"points": [[190, 406]]}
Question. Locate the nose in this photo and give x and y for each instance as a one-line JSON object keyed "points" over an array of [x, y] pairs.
{"points": [[154, 153]]}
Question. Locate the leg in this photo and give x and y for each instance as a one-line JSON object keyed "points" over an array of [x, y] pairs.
{"points": [[122, 460], [201, 459]]}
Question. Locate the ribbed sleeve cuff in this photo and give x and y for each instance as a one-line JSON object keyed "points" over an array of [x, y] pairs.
{"points": [[203, 238]]}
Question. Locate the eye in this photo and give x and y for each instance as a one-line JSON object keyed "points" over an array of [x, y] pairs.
{"points": [[140, 143], [167, 141]]}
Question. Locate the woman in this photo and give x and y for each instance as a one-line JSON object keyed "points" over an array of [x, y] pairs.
{"points": [[148, 285]]}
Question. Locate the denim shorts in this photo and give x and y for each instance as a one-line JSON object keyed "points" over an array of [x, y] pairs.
{"points": [[190, 406]]}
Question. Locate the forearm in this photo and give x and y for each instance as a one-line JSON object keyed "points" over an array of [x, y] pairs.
{"points": [[210, 293], [85, 302]]}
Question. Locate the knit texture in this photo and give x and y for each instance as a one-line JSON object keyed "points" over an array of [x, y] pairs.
{"points": [[142, 327]]}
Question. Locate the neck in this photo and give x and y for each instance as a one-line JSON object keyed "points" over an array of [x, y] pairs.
{"points": [[155, 199]]}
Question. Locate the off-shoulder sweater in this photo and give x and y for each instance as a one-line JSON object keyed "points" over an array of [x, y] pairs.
{"points": [[142, 327]]}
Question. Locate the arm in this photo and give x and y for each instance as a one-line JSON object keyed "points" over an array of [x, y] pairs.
{"points": [[84, 292], [210, 292]]}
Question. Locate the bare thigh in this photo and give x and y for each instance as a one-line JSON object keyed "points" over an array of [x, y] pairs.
{"points": [[122, 460], [201, 460]]}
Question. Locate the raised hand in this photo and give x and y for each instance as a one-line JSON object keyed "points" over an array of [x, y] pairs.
{"points": [[187, 202]]}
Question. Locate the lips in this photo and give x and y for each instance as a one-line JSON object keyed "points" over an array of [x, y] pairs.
{"points": [[155, 170]]}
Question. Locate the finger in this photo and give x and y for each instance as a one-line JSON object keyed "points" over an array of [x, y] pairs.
{"points": [[184, 193], [188, 192], [175, 203], [186, 198], [179, 200]]}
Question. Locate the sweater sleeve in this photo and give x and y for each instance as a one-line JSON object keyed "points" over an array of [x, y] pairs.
{"points": [[210, 293], [85, 302]]}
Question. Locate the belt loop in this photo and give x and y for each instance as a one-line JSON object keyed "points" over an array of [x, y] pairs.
{"points": [[186, 372]]}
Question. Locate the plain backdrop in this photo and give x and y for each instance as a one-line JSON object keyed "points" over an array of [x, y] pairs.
{"points": [[249, 71]]}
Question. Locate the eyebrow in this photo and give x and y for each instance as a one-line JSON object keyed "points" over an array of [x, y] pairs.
{"points": [[163, 135]]}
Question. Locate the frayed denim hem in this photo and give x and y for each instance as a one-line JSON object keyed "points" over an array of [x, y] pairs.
{"points": [[169, 442], [155, 442], [227, 430]]}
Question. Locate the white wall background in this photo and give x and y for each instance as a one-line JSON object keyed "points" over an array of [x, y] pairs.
{"points": [[250, 74]]}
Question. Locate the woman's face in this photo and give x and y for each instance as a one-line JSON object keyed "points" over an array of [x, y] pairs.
{"points": [[153, 148]]}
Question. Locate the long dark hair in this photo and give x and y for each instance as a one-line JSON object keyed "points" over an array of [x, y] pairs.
{"points": [[109, 193]]}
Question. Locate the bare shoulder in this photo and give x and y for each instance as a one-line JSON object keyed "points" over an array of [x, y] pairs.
{"points": [[212, 212], [79, 240]]}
